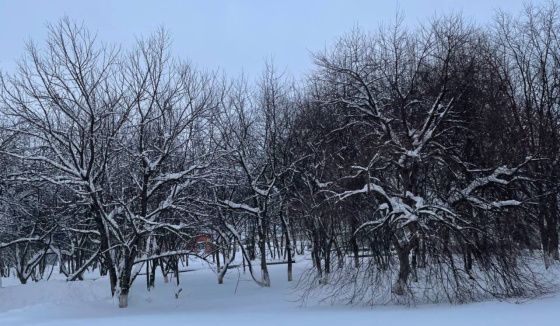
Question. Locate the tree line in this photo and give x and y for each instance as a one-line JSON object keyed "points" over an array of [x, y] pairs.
{"points": [[409, 163]]}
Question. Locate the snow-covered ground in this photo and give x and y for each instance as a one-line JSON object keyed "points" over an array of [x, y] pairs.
{"points": [[238, 301]]}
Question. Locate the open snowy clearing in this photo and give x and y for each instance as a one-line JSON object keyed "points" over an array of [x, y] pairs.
{"points": [[239, 301]]}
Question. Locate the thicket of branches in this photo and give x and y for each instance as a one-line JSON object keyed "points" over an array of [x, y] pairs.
{"points": [[415, 164]]}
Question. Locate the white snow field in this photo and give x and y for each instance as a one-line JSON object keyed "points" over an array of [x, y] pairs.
{"points": [[239, 301]]}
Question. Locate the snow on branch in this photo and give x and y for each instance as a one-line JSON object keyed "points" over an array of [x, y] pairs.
{"points": [[243, 207]]}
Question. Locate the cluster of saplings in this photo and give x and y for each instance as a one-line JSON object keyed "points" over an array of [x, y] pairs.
{"points": [[409, 164]]}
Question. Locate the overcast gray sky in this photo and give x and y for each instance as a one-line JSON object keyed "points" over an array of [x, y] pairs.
{"points": [[233, 35]]}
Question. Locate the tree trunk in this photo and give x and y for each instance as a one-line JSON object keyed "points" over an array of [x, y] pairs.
{"points": [[552, 228], [549, 229], [104, 245], [399, 288], [227, 263], [125, 280], [264, 268], [288, 237]]}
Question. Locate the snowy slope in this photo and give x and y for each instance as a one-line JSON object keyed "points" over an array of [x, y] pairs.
{"points": [[237, 302]]}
